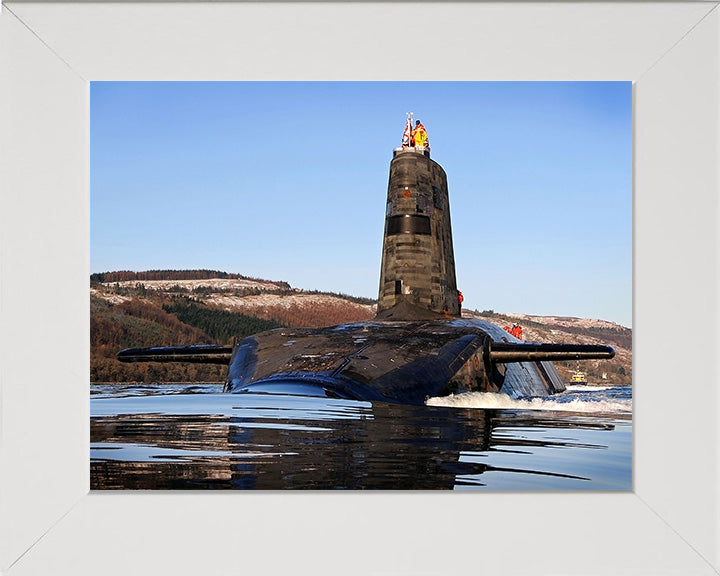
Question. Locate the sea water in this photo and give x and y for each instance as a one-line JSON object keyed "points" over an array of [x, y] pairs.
{"points": [[196, 437]]}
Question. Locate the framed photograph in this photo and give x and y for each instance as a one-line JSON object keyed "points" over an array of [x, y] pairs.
{"points": [[213, 186], [50, 520]]}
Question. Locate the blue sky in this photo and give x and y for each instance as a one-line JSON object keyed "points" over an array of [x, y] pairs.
{"points": [[288, 180]]}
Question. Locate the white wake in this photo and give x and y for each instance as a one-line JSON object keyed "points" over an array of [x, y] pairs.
{"points": [[600, 404]]}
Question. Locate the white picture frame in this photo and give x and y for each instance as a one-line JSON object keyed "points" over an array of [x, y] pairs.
{"points": [[51, 523]]}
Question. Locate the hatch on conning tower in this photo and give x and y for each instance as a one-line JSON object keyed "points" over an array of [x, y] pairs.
{"points": [[417, 275]]}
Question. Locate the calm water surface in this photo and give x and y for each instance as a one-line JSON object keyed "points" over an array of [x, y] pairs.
{"points": [[195, 437]]}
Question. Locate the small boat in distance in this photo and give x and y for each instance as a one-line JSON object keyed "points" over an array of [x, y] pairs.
{"points": [[578, 377]]}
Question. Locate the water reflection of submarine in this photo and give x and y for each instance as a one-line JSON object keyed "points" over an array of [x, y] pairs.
{"points": [[418, 346]]}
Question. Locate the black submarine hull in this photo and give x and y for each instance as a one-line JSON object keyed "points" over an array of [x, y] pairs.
{"points": [[405, 362], [381, 360]]}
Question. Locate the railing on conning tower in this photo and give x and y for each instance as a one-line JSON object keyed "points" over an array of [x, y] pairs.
{"points": [[412, 150]]}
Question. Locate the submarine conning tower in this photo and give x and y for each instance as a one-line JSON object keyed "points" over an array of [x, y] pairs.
{"points": [[417, 275]]}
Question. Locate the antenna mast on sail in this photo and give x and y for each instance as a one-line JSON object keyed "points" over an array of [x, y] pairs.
{"points": [[407, 135]]}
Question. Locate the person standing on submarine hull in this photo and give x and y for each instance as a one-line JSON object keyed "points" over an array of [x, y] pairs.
{"points": [[516, 331]]}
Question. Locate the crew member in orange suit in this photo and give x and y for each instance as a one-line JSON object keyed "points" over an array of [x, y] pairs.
{"points": [[516, 331]]}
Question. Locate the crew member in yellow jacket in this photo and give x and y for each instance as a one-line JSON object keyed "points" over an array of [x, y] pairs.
{"points": [[419, 134]]}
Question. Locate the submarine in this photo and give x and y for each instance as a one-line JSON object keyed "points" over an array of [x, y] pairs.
{"points": [[418, 346]]}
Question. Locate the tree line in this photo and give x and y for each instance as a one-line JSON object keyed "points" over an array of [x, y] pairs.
{"points": [[222, 326], [140, 323], [129, 276]]}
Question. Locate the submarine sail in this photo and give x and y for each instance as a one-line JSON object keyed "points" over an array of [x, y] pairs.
{"points": [[418, 264]]}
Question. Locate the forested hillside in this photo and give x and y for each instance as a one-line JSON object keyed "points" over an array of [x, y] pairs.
{"points": [[176, 307], [130, 276], [171, 307], [139, 323]]}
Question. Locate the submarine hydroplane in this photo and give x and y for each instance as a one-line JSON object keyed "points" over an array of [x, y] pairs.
{"points": [[418, 346]]}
